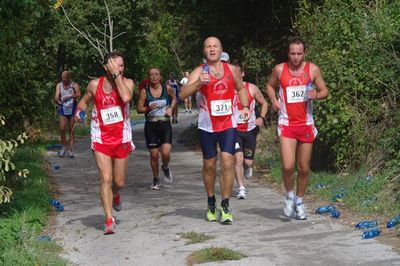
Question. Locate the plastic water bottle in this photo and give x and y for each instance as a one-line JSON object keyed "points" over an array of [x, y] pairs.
{"points": [[371, 233], [338, 198], [393, 222], [324, 209], [366, 224], [335, 214], [82, 115], [206, 69], [309, 88], [57, 205]]}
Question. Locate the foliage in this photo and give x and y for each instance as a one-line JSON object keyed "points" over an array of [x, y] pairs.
{"points": [[357, 47], [214, 254], [195, 237], [24, 218], [7, 167]]}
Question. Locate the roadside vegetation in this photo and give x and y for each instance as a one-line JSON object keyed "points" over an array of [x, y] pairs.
{"points": [[213, 254], [194, 237]]}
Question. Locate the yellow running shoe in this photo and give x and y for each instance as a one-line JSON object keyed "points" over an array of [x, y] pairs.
{"points": [[212, 214], [226, 215]]}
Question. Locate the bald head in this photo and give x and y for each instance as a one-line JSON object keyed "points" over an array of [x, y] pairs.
{"points": [[212, 49], [66, 76]]}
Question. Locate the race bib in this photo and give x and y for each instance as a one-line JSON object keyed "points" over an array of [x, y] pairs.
{"points": [[296, 94], [241, 119], [111, 115], [159, 110], [221, 107]]}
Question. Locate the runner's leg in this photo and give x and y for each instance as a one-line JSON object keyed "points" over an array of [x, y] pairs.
{"points": [[105, 165]]}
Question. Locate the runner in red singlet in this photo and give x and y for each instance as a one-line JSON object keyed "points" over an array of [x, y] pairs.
{"points": [[214, 84], [295, 123], [247, 132], [111, 131]]}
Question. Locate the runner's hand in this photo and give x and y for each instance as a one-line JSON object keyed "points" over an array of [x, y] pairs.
{"points": [[205, 78], [168, 111], [246, 113], [276, 106]]}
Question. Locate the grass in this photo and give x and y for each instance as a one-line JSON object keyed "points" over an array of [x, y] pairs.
{"points": [[214, 254], [23, 220], [195, 237]]}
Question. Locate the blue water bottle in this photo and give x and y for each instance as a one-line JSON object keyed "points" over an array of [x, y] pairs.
{"points": [[309, 88], [57, 205], [324, 209], [206, 69], [82, 115], [393, 222], [371, 233], [335, 214], [366, 224]]}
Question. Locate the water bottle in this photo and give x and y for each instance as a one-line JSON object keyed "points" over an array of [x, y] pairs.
{"points": [[366, 224], [57, 205], [206, 69], [335, 214], [324, 209], [393, 222], [82, 115], [309, 88], [319, 186], [338, 198], [371, 233]]}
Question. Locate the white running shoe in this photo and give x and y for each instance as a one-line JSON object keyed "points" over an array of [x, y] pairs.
{"points": [[288, 210], [156, 185], [61, 153], [301, 213], [248, 172], [242, 193]]}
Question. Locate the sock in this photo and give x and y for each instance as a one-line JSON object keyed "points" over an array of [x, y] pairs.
{"points": [[299, 200], [290, 195], [155, 180], [242, 187], [225, 203], [211, 200]]}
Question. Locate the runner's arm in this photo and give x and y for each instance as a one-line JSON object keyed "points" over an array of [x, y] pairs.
{"points": [[77, 91], [87, 98], [271, 85], [194, 84], [262, 102], [141, 109], [124, 85], [57, 94], [242, 93], [171, 93]]}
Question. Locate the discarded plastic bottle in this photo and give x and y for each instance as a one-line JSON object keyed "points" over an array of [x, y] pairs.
{"points": [[319, 186], [366, 224], [335, 214], [57, 167], [324, 209], [57, 205], [371, 233], [393, 222], [338, 198]]}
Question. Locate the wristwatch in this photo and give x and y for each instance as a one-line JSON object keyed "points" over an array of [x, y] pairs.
{"points": [[116, 75]]}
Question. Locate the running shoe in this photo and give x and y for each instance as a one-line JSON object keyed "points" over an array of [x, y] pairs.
{"points": [[212, 214], [109, 226], [156, 184], [190, 111], [288, 210], [117, 202], [61, 153], [242, 193], [301, 213], [248, 172], [167, 174], [226, 215]]}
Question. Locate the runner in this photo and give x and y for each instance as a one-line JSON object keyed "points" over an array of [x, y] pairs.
{"points": [[173, 83], [295, 123], [215, 83], [111, 131], [247, 132], [157, 101], [188, 100], [66, 95]]}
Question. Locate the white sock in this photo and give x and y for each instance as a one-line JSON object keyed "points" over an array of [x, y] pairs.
{"points": [[299, 200], [242, 187], [290, 195]]}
